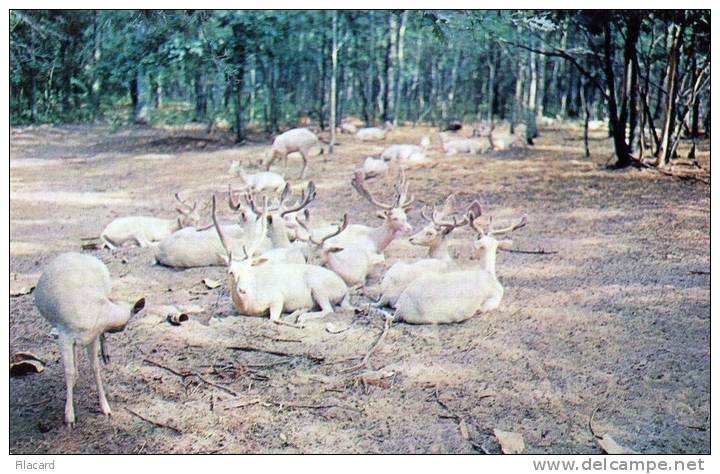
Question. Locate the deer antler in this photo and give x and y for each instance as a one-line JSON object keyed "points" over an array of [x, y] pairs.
{"points": [[521, 223], [401, 188], [218, 228], [341, 227], [358, 183], [231, 201], [307, 197], [184, 203]]}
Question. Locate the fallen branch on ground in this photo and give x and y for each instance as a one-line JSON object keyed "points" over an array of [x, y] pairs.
{"points": [[185, 375], [537, 252], [313, 358], [379, 340], [153, 422], [699, 272]]}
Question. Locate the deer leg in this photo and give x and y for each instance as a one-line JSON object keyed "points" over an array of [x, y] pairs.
{"points": [[69, 355], [142, 241], [305, 164], [108, 244], [345, 303], [276, 312], [325, 308], [272, 160], [383, 301], [92, 351]]}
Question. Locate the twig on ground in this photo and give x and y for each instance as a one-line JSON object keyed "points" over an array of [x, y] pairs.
{"points": [[185, 375], [378, 341], [313, 358], [537, 252], [153, 422], [590, 421], [278, 339], [699, 272], [310, 407]]}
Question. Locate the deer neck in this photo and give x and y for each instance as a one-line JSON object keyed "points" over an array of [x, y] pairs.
{"points": [[486, 261], [278, 234], [383, 235], [440, 251]]}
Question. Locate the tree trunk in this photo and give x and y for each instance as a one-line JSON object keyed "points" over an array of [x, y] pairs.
{"points": [[333, 84], [540, 99], [586, 109], [618, 130], [139, 91], [238, 78], [400, 58], [390, 70], [666, 145], [200, 95], [490, 90]]}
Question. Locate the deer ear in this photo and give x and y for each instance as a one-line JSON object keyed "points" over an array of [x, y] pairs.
{"points": [[505, 244], [138, 306], [259, 261], [381, 214], [335, 249]]}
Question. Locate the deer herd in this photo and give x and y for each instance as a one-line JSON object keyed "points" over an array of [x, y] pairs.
{"points": [[284, 263]]}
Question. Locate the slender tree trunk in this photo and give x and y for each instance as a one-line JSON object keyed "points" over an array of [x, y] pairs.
{"points": [[666, 145], [540, 99], [490, 90], [618, 130], [95, 85], [200, 95], [586, 109], [238, 78], [333, 84], [400, 59], [390, 69]]}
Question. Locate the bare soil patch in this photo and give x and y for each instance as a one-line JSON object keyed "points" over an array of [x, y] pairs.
{"points": [[617, 320]]}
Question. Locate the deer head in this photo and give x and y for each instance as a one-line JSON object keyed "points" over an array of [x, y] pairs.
{"points": [[238, 265], [487, 243], [395, 215], [439, 227], [188, 215]]}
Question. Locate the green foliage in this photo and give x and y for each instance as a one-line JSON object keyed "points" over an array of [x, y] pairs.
{"points": [[69, 66]]}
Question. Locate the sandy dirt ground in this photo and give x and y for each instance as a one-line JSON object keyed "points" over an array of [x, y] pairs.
{"points": [[617, 322]]}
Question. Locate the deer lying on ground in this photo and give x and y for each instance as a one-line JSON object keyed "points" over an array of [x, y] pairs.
{"points": [[146, 231], [407, 153], [347, 127], [351, 251], [258, 287], [258, 182], [283, 251], [434, 237], [453, 146], [295, 140], [73, 294], [374, 167], [374, 240], [455, 296], [352, 263], [373, 133], [190, 247]]}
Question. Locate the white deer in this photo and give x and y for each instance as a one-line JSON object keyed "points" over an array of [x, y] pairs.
{"points": [[456, 296], [434, 237], [258, 287]]}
